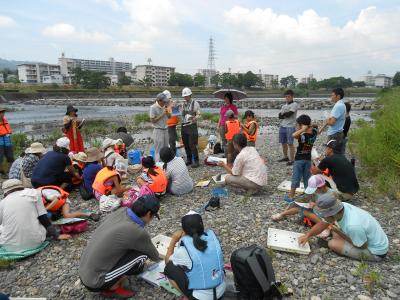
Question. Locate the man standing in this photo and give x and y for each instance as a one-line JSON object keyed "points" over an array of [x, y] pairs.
{"points": [[158, 116], [6, 148], [171, 122], [190, 134], [288, 115], [337, 118]]}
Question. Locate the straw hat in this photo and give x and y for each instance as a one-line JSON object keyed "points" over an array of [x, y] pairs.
{"points": [[35, 148], [93, 154], [81, 156], [11, 184], [108, 143]]}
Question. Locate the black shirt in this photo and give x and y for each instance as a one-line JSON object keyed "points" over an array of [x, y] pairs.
{"points": [[306, 142], [346, 126], [342, 172]]}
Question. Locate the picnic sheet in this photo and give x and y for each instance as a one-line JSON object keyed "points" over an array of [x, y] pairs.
{"points": [[10, 255]]}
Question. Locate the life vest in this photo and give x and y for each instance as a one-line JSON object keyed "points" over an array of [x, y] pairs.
{"points": [[5, 127], [79, 167], [102, 176], [160, 181], [251, 138], [232, 128], [207, 267], [61, 199], [120, 149], [172, 121]]}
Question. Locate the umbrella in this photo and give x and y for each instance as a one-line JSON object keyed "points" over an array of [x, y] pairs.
{"points": [[237, 95]]}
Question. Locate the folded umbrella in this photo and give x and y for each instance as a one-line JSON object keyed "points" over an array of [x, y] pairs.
{"points": [[237, 95]]}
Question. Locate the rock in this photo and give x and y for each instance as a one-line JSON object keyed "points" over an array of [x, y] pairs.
{"points": [[363, 297], [315, 298], [391, 294], [295, 282], [350, 279], [314, 258]]}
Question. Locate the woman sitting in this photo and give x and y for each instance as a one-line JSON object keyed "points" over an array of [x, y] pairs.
{"points": [[179, 180], [56, 202], [50, 169], [92, 167], [110, 155], [153, 176], [249, 171], [196, 265]]}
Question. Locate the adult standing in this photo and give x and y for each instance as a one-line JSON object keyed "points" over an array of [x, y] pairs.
{"points": [[228, 105], [190, 133], [71, 129], [171, 122], [159, 115], [335, 122], [288, 115], [6, 148]]}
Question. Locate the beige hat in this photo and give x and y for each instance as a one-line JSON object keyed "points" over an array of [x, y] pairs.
{"points": [[11, 184], [35, 148], [108, 143], [81, 156], [2, 109], [93, 154]]}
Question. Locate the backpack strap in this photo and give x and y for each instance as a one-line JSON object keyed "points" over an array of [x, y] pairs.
{"points": [[265, 282]]}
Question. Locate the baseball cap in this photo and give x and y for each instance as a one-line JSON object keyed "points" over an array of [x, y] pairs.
{"points": [[229, 113], [334, 145], [149, 202], [162, 97], [314, 182], [327, 205]]}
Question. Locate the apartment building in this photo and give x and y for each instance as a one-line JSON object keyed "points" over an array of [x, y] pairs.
{"points": [[159, 75], [383, 81], [33, 73], [268, 79]]}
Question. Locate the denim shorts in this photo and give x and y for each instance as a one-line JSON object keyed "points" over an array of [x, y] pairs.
{"points": [[301, 169], [286, 135]]}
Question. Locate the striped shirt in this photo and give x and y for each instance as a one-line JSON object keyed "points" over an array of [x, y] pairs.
{"points": [[179, 180]]}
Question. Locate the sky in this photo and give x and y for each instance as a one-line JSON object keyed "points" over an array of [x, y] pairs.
{"points": [[325, 38]]}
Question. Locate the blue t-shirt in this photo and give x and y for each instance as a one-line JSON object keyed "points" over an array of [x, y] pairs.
{"points": [[50, 168], [339, 113], [361, 227], [89, 174]]}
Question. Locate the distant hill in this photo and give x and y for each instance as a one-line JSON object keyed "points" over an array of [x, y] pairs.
{"points": [[11, 64]]}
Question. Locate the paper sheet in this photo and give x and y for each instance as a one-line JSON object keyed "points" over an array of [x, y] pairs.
{"points": [[216, 159], [63, 221], [154, 274], [286, 185], [161, 242], [203, 183], [287, 241]]}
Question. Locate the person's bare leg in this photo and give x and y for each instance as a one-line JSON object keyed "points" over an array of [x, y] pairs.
{"points": [[140, 182], [336, 244], [313, 217], [285, 150], [287, 212], [67, 214], [291, 152]]}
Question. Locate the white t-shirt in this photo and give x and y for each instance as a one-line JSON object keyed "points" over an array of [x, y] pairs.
{"points": [[249, 164], [290, 121], [111, 157], [19, 213], [181, 258]]}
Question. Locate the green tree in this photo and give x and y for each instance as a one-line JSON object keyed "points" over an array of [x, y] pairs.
{"points": [[284, 82], [146, 81], [229, 80], [313, 84], [288, 81], [215, 80], [396, 79], [275, 83], [179, 79], [333, 82], [250, 79], [6, 72], [123, 79], [199, 79], [359, 84], [90, 79]]}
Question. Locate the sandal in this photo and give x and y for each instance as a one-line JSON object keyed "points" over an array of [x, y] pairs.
{"points": [[277, 217]]}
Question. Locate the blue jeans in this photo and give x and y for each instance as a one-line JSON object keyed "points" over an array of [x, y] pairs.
{"points": [[301, 169], [286, 135]]}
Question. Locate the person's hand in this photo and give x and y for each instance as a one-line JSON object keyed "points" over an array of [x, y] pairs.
{"points": [[220, 164], [178, 235], [304, 127], [314, 170], [64, 237], [303, 240]]}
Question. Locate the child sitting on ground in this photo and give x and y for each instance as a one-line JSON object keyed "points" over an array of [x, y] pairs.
{"points": [[232, 127], [78, 162], [306, 136], [153, 176], [56, 201]]}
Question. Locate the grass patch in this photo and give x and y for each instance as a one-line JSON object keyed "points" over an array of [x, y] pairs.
{"points": [[141, 118], [98, 127], [377, 145], [207, 116], [6, 264], [20, 142]]}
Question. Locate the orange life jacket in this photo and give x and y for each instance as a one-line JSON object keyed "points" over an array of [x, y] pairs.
{"points": [[101, 178], [173, 121], [79, 167], [120, 149], [5, 127], [160, 181], [251, 138], [61, 199], [232, 128]]}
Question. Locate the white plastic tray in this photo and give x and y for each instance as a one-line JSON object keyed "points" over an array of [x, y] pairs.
{"points": [[287, 241], [222, 181], [161, 242], [285, 187], [216, 159]]}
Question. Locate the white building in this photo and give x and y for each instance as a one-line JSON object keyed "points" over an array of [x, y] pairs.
{"points": [[113, 79], [369, 79], [307, 80], [34, 72], [208, 73], [268, 79], [1, 78], [53, 79], [110, 66], [159, 75], [383, 81]]}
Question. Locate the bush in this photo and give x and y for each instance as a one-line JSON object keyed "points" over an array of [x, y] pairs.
{"points": [[98, 127], [20, 143], [141, 118], [378, 144], [213, 117]]}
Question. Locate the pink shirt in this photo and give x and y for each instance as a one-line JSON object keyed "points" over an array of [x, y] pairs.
{"points": [[224, 109]]}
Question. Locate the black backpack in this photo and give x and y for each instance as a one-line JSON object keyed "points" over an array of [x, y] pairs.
{"points": [[217, 149], [254, 274]]}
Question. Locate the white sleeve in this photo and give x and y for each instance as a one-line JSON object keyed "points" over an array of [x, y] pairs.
{"points": [[181, 257]]}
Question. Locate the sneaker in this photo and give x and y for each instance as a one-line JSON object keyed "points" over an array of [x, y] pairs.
{"points": [[188, 163], [119, 293], [196, 164], [290, 163], [283, 159]]}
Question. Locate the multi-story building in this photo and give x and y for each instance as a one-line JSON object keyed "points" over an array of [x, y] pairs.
{"points": [[307, 80], [53, 79], [208, 73], [34, 72], [1, 78], [110, 66], [369, 79], [158, 75], [268, 79], [383, 81]]}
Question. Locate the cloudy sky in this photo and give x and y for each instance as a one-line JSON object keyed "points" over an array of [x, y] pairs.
{"points": [[326, 38]]}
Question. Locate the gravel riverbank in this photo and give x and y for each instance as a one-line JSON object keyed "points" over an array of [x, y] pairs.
{"points": [[241, 221]]}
